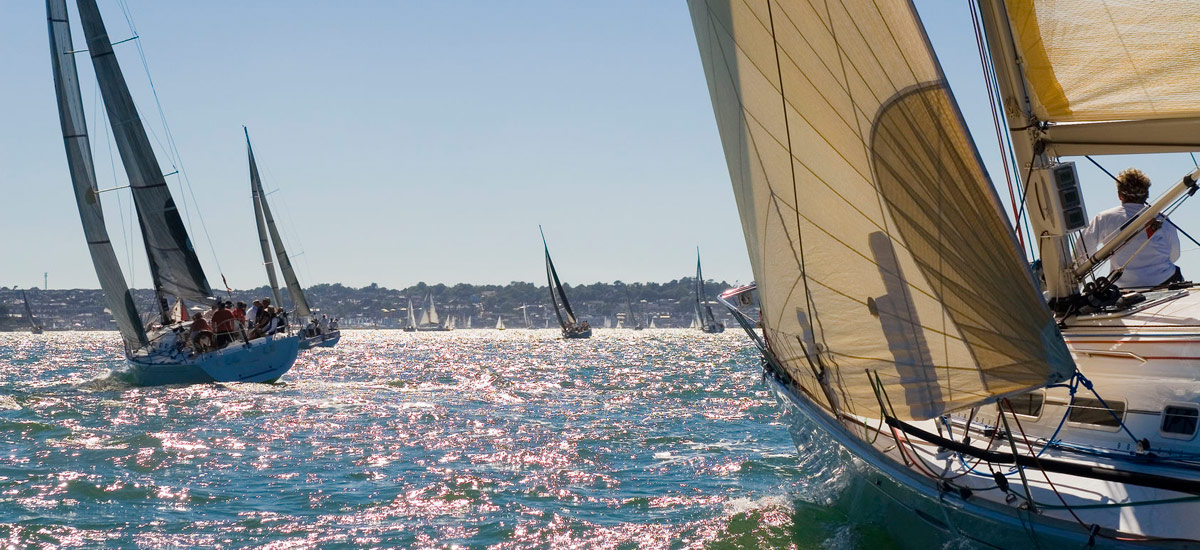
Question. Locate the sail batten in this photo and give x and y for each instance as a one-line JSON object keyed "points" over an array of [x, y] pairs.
{"points": [[83, 177], [876, 238], [175, 268]]}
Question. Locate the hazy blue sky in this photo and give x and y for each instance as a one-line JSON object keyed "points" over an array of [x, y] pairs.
{"points": [[424, 141]]}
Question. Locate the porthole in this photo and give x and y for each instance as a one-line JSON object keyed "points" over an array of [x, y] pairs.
{"points": [[1092, 411], [1180, 421]]}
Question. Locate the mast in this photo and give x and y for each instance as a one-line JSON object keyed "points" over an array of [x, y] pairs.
{"points": [[261, 224], [705, 315], [83, 177], [299, 301], [174, 267]]}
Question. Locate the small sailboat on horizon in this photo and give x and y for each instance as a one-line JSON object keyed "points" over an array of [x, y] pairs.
{"points": [[34, 326], [430, 322], [704, 313], [572, 327]]}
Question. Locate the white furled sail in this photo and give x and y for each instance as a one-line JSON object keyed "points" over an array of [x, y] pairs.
{"points": [[83, 176], [877, 242], [174, 266], [285, 263], [1124, 68]]}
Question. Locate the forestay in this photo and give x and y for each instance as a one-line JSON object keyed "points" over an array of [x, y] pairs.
{"points": [[173, 263], [876, 239], [83, 177]]}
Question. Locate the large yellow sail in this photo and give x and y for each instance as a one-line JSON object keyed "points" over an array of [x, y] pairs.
{"points": [[877, 242]]}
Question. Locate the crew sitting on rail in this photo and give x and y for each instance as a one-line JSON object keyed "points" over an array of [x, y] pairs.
{"points": [[224, 324], [1146, 264], [201, 335]]}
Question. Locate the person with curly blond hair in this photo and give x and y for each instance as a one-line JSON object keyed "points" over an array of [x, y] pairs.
{"points": [[1147, 264]]}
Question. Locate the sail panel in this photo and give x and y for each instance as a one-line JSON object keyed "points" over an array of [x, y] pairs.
{"points": [[1102, 60], [174, 266], [83, 177], [877, 241], [261, 225]]}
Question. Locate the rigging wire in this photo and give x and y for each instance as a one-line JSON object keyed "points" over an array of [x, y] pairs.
{"points": [[171, 150], [990, 84]]}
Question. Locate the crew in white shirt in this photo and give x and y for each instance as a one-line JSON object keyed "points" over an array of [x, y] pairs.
{"points": [[1146, 264]]}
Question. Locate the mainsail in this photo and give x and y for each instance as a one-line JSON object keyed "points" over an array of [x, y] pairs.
{"points": [[83, 177], [174, 266], [558, 296], [877, 242], [412, 317], [285, 264]]}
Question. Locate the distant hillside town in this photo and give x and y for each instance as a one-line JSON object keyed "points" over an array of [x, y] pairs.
{"points": [[670, 304]]}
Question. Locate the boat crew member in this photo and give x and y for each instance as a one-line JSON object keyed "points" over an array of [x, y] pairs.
{"points": [[1146, 264], [239, 315], [252, 315], [224, 324], [201, 335]]}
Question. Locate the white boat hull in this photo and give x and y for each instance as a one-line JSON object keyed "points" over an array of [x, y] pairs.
{"points": [[326, 340], [262, 360]]}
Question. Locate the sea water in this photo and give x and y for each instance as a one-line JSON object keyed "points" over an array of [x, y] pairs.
{"points": [[477, 439]]}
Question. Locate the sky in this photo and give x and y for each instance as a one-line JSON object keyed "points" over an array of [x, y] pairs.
{"points": [[423, 141]]}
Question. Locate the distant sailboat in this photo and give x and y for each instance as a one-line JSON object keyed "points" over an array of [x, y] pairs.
{"points": [[312, 335], [652, 325], [525, 312], [607, 322], [704, 313], [430, 322], [34, 326], [159, 357], [629, 314], [468, 321], [500, 323], [571, 326], [412, 318]]}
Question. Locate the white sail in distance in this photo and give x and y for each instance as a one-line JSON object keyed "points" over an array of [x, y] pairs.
{"points": [[877, 242]]}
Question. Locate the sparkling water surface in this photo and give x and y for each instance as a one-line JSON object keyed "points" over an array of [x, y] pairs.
{"points": [[478, 439]]}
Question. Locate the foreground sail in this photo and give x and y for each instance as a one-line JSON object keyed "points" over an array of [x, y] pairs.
{"points": [[163, 356], [571, 326], [899, 319], [315, 334]]}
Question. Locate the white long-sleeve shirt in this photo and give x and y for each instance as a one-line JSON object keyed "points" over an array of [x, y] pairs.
{"points": [[1152, 266]]}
